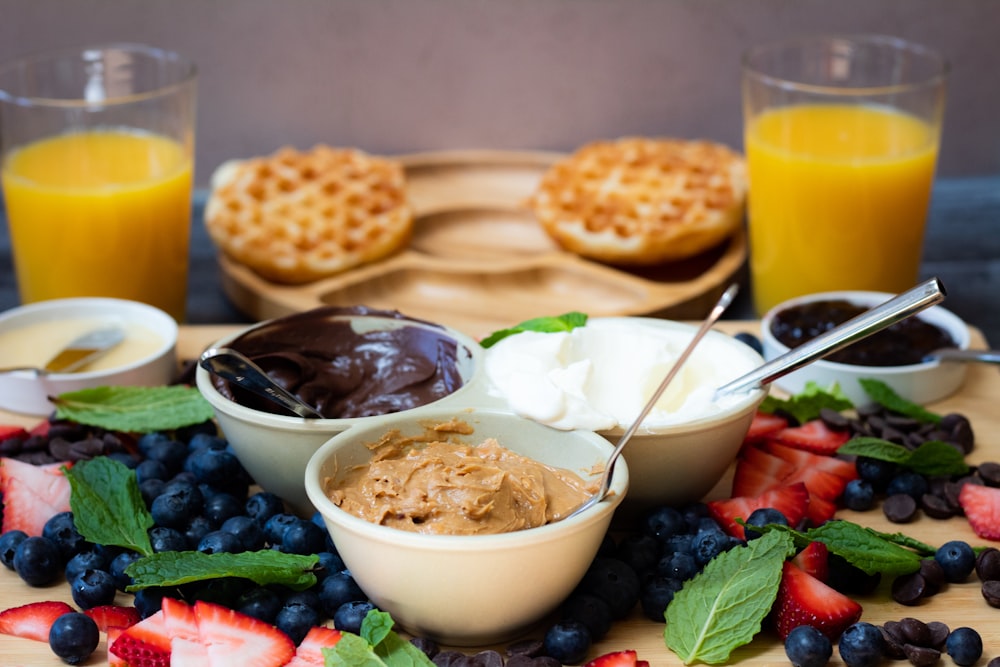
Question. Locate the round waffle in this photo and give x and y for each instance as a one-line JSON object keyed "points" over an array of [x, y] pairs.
{"points": [[641, 201], [294, 217]]}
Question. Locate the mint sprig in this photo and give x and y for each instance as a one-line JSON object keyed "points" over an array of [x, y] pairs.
{"points": [[722, 607], [107, 506], [808, 403], [377, 646], [265, 567], [135, 409], [553, 324], [887, 397], [931, 458]]}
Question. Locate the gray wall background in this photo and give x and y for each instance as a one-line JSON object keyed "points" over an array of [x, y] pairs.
{"points": [[395, 76]]}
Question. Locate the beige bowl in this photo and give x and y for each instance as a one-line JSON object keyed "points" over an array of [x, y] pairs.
{"points": [[922, 383], [275, 448], [468, 590], [147, 356]]}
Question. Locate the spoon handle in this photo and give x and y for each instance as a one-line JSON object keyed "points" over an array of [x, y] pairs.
{"points": [[236, 368], [982, 356], [898, 308]]}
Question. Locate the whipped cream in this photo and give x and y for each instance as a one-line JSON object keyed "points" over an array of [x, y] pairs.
{"points": [[598, 377]]}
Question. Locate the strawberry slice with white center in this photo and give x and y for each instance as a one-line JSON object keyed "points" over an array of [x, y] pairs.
{"points": [[113, 616], [814, 560], [32, 620], [186, 647], [981, 505], [145, 644], [627, 658], [792, 501], [763, 426], [813, 436], [805, 600], [237, 640], [32, 494], [310, 650]]}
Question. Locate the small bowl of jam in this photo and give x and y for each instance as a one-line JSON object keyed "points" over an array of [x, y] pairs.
{"points": [[896, 355]]}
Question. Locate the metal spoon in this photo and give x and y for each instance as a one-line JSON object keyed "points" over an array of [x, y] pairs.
{"points": [[605, 483], [898, 308], [79, 352], [231, 365], [967, 356]]}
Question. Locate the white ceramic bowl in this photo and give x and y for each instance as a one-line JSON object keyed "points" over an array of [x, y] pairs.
{"points": [[922, 383], [468, 590], [275, 448], [152, 363]]}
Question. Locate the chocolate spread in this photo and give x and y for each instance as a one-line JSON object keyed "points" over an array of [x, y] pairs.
{"points": [[450, 488], [347, 371]]}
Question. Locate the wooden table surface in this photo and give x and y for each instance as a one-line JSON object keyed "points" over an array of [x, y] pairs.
{"points": [[956, 604]]}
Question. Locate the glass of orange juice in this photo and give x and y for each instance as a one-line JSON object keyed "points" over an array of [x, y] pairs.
{"points": [[841, 136], [96, 150]]}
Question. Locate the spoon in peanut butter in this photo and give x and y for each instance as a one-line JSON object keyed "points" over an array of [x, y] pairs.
{"points": [[605, 483]]}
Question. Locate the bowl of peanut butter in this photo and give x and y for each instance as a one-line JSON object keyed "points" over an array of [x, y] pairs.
{"points": [[452, 520]]}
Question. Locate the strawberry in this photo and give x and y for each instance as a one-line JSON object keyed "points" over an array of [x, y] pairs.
{"points": [[792, 501], [757, 471], [233, 638], [113, 616], [32, 620], [820, 510], [41, 428], [9, 431], [981, 505], [803, 459], [32, 494], [813, 436], [145, 644], [310, 650], [805, 600], [186, 647], [763, 426], [113, 634], [813, 560], [618, 659]]}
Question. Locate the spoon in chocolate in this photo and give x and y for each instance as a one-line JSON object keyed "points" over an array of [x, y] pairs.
{"points": [[605, 483], [235, 367]]}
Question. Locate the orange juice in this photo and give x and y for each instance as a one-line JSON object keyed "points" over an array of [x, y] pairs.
{"points": [[838, 199], [101, 213]]}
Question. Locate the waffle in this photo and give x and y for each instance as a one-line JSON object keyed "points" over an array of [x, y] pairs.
{"points": [[641, 201], [294, 217]]}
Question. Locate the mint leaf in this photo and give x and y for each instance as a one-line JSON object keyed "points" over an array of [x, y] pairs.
{"points": [[864, 548], [376, 626], [806, 405], [173, 568], [135, 409], [351, 651], [885, 396], [564, 322], [378, 646], [722, 608], [875, 448], [932, 458], [107, 506]]}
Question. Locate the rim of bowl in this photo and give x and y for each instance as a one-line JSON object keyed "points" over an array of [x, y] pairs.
{"points": [[939, 316], [135, 311], [434, 542], [203, 379]]}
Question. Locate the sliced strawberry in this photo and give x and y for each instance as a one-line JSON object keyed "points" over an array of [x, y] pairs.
{"points": [[813, 560], [41, 428], [145, 644], [617, 659], [233, 638], [113, 616], [805, 600], [32, 620], [763, 426], [757, 471], [820, 510], [114, 660], [186, 647], [792, 501], [981, 505], [8, 431], [310, 650], [813, 436], [803, 459], [32, 494]]}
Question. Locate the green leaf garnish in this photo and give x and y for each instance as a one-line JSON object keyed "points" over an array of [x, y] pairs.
{"points": [[377, 646], [135, 409], [722, 608], [806, 405], [107, 506], [885, 396], [564, 322], [932, 458], [265, 567]]}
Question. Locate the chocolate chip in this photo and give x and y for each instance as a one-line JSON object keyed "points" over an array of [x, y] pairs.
{"points": [[991, 592], [521, 660], [547, 661], [899, 508], [529, 647], [834, 419], [486, 659], [914, 631], [921, 656], [909, 589], [936, 507], [988, 564], [448, 659], [427, 646], [891, 646], [938, 634], [933, 575], [989, 472]]}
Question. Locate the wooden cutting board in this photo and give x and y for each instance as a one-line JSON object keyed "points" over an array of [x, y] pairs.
{"points": [[956, 604], [479, 261]]}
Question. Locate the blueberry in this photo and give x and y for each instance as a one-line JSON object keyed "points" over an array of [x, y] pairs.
{"points": [[85, 560], [309, 596], [614, 582], [37, 561], [681, 543], [206, 441], [806, 646], [148, 601], [664, 522], [859, 495], [957, 559], [710, 543], [63, 533], [74, 637], [93, 588], [638, 551], [590, 610], [693, 513], [762, 517], [349, 615], [151, 469], [167, 539], [176, 506], [219, 541], [126, 459], [149, 440], [275, 527], [262, 506], [250, 535], [295, 619], [678, 565], [303, 537], [567, 642], [911, 483], [150, 489], [329, 563], [338, 588], [261, 603], [861, 645], [879, 473], [218, 467], [171, 453], [221, 506], [656, 594], [8, 545], [198, 528], [117, 568], [750, 339], [964, 645]]}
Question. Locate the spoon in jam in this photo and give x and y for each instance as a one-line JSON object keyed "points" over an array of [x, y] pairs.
{"points": [[605, 483], [237, 368]]}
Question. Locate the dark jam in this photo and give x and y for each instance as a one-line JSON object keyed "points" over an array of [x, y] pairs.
{"points": [[904, 343]]}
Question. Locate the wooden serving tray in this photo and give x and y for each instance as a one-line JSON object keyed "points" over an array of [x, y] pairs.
{"points": [[956, 604], [479, 261]]}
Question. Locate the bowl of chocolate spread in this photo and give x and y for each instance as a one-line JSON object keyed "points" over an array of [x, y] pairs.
{"points": [[895, 355], [353, 365]]}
